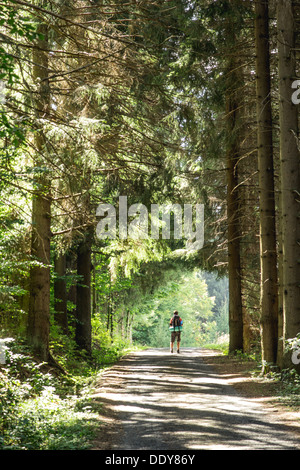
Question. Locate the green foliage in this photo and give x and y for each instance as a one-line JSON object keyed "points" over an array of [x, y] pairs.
{"points": [[290, 392], [106, 350], [51, 423], [288, 385], [14, 269], [18, 24], [35, 413], [186, 292]]}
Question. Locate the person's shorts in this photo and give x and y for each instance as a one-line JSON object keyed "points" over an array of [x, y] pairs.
{"points": [[174, 335]]}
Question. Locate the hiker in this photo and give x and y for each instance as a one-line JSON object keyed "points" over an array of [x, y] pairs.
{"points": [[175, 328]]}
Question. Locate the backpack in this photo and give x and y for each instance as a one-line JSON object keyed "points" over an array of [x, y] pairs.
{"points": [[176, 323], [176, 320]]}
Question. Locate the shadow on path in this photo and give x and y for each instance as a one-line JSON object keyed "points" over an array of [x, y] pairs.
{"points": [[167, 401]]}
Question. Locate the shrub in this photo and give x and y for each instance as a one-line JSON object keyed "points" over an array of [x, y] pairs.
{"points": [[32, 414]]}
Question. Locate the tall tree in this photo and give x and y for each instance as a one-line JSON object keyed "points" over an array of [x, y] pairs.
{"points": [[289, 173], [233, 107], [268, 256], [39, 301]]}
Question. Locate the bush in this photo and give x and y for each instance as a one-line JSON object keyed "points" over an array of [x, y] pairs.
{"points": [[51, 423], [107, 350], [32, 414]]}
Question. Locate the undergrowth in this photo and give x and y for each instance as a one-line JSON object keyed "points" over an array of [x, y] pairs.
{"points": [[288, 387], [41, 409]]}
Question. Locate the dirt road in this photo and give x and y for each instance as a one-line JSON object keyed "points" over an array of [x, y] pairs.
{"points": [[155, 400]]}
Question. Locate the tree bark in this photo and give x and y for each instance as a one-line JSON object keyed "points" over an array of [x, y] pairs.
{"points": [[234, 261], [233, 203], [280, 288], [60, 293], [268, 255], [290, 174], [39, 297]]}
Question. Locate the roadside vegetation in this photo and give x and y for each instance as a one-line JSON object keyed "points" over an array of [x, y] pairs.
{"points": [[46, 408]]}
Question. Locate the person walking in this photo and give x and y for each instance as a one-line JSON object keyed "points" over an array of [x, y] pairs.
{"points": [[175, 328]]}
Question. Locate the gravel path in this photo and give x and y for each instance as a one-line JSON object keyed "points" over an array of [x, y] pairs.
{"points": [[163, 401]]}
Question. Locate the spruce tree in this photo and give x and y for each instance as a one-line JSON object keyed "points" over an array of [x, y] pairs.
{"points": [[268, 254]]}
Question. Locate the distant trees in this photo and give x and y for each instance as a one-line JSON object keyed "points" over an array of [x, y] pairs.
{"points": [[191, 293]]}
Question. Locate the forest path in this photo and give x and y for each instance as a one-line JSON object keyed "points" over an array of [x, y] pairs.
{"points": [[162, 401]]}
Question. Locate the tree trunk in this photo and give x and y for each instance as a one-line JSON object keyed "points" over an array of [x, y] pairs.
{"points": [[268, 256], [60, 293], [39, 297], [280, 289], [233, 214], [83, 334], [234, 261], [94, 291], [290, 177], [128, 329]]}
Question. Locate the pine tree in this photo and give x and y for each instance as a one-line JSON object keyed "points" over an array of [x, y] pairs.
{"points": [[233, 154], [268, 255], [39, 290]]}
